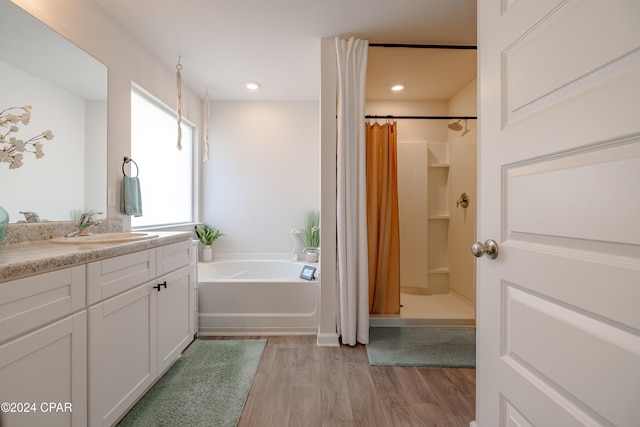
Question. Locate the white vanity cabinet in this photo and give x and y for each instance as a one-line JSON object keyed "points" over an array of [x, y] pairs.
{"points": [[136, 334], [82, 341], [43, 350]]}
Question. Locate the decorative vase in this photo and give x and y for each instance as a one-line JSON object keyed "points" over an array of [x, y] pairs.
{"points": [[207, 254], [4, 222]]}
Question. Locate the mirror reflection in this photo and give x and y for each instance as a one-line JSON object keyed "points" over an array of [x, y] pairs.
{"points": [[66, 89]]}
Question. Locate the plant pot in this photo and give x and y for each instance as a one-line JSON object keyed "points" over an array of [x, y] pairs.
{"points": [[207, 254], [311, 257]]}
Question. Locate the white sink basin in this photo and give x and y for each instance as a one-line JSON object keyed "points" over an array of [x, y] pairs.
{"points": [[105, 238]]}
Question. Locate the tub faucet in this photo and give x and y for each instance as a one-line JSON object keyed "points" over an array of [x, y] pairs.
{"points": [[85, 224], [31, 216]]}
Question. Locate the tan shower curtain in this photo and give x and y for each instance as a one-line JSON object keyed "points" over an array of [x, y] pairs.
{"points": [[382, 219]]}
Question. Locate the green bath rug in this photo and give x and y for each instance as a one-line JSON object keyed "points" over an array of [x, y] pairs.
{"points": [[207, 386], [422, 346]]}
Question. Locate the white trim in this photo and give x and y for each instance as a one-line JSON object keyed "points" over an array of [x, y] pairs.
{"points": [[327, 340]]}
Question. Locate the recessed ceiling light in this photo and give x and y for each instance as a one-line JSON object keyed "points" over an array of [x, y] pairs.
{"points": [[397, 87], [252, 85]]}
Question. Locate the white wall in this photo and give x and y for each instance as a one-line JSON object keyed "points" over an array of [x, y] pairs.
{"points": [[95, 169], [88, 26], [462, 230], [263, 175], [61, 169], [327, 327]]}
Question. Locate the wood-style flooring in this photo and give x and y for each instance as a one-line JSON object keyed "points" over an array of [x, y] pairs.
{"points": [[301, 384]]}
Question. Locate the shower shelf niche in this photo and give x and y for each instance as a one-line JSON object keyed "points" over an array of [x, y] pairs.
{"points": [[438, 215]]}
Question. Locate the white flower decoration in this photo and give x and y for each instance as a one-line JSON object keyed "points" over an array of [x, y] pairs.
{"points": [[11, 150]]}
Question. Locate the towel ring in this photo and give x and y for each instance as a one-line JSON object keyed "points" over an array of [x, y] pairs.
{"points": [[128, 160]]}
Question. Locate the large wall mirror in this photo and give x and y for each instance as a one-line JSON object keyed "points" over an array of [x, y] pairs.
{"points": [[67, 90]]}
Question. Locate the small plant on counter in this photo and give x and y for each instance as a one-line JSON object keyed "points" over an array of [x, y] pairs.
{"points": [[207, 235], [311, 229]]}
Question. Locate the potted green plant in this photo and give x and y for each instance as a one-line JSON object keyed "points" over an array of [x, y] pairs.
{"points": [[207, 235]]}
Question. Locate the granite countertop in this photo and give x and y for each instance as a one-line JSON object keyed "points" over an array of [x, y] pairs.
{"points": [[35, 257]]}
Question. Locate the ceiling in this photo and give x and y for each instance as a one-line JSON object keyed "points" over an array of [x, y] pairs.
{"points": [[433, 74], [221, 44], [39, 45]]}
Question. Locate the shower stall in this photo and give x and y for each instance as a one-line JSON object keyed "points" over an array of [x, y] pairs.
{"points": [[437, 197], [437, 213]]}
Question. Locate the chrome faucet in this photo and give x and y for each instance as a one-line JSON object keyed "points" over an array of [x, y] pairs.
{"points": [[31, 216], [85, 224]]}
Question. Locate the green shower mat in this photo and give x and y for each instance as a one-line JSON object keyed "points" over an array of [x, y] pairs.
{"points": [[422, 346]]}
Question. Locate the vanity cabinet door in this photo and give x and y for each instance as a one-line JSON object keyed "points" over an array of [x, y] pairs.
{"points": [[43, 376], [122, 352], [174, 316]]}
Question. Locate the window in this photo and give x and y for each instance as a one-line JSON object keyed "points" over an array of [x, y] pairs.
{"points": [[166, 173]]}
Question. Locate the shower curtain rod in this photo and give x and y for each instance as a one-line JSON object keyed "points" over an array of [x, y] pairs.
{"points": [[423, 117], [424, 46]]}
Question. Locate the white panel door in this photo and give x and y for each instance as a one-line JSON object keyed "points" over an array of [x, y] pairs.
{"points": [[122, 353], [43, 376], [174, 316], [559, 153]]}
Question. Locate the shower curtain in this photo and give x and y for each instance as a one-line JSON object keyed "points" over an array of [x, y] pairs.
{"points": [[383, 227], [351, 209]]}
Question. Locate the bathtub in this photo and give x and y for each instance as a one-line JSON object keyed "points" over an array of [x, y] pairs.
{"points": [[256, 297]]}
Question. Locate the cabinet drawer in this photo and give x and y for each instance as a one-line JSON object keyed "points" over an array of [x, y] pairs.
{"points": [[173, 256], [28, 303], [112, 276]]}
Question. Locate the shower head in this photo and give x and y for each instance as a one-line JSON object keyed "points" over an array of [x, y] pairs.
{"points": [[466, 131], [455, 125]]}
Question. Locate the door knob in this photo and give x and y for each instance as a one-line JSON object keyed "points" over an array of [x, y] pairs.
{"points": [[489, 248]]}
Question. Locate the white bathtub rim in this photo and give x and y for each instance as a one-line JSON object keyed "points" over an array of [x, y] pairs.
{"points": [[235, 256], [236, 277]]}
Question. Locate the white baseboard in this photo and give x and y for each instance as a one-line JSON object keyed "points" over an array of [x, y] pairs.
{"points": [[328, 340]]}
